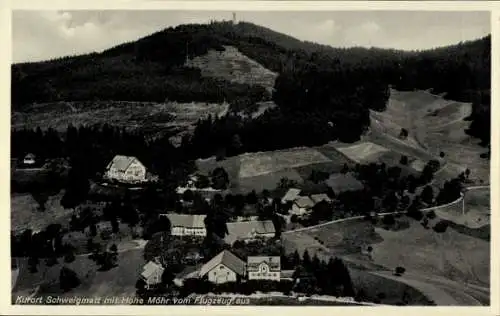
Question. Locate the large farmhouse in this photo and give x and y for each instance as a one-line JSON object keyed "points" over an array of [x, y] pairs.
{"points": [[246, 231], [223, 268], [186, 225], [126, 169], [264, 268]]}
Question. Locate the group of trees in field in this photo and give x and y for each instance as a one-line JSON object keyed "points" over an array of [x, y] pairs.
{"points": [[316, 276]]}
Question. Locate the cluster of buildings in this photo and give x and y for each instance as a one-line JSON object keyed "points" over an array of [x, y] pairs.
{"points": [[194, 225], [223, 268], [302, 204]]}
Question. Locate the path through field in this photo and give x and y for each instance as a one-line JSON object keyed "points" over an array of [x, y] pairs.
{"points": [[466, 275]]}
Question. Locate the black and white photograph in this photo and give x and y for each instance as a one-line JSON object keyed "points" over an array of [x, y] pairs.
{"points": [[250, 158]]}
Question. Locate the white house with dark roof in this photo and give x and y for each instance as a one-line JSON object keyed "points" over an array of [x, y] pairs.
{"points": [[223, 268], [250, 230], [264, 268], [126, 169], [29, 159], [186, 225], [152, 274]]}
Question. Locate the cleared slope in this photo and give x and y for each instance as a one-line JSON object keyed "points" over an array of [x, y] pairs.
{"points": [[434, 125], [232, 65]]}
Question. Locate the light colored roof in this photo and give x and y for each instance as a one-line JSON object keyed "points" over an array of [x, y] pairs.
{"points": [[226, 258], [253, 262], [291, 195], [320, 197], [30, 156], [242, 230], [121, 163], [304, 202], [152, 272], [186, 220]]}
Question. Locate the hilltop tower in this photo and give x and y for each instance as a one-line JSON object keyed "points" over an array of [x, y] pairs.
{"points": [[234, 18]]}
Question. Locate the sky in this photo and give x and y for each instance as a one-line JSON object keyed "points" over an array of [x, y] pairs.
{"points": [[41, 35]]}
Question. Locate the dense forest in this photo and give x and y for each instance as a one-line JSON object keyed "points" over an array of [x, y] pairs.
{"points": [[334, 87]]}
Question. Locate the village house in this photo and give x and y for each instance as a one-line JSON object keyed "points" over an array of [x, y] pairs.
{"points": [[152, 274], [29, 159], [126, 169], [186, 225], [302, 205], [263, 268], [248, 231], [223, 268]]}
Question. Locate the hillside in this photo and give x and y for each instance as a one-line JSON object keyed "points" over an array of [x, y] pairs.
{"points": [[242, 65]]}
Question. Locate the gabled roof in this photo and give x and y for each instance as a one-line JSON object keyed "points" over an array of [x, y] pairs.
{"points": [[290, 195], [253, 262], [304, 202], [242, 230], [320, 197], [121, 163], [152, 271], [30, 156], [186, 220], [226, 258]]}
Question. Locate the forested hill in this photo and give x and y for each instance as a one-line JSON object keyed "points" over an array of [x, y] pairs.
{"points": [[344, 82]]}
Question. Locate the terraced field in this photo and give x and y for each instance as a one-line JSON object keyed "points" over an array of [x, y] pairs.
{"points": [[263, 170]]}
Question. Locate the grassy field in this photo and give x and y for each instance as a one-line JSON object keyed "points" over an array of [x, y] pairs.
{"points": [[477, 210], [345, 240], [436, 263], [451, 255], [263, 170], [363, 152], [435, 125], [256, 164]]}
